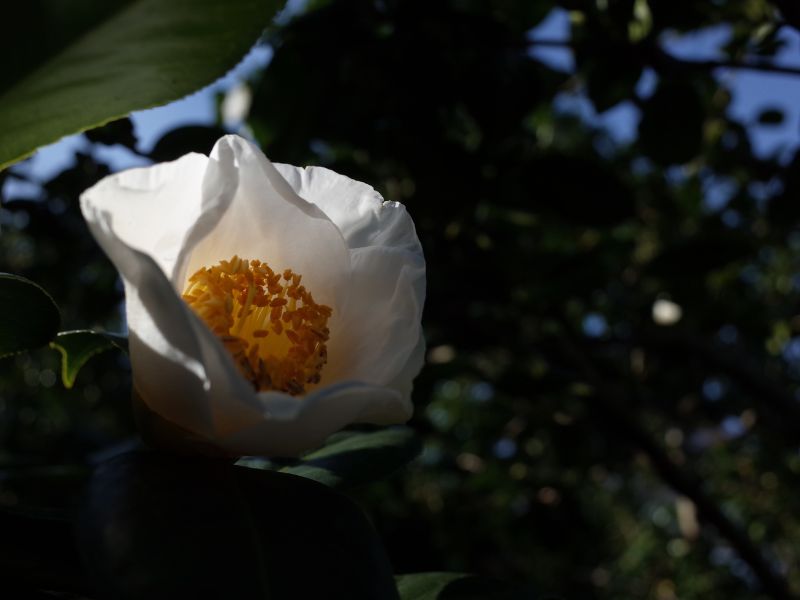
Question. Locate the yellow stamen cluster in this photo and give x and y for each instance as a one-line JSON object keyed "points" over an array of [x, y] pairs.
{"points": [[267, 321]]}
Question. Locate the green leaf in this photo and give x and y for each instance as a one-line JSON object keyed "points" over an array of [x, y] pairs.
{"points": [[642, 23], [456, 586], [354, 458], [425, 586], [77, 347], [145, 53], [29, 317], [160, 526]]}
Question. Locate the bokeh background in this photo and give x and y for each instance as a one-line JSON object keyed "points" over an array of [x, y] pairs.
{"points": [[607, 194]]}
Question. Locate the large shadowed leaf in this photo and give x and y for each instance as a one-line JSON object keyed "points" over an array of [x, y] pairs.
{"points": [[456, 586], [143, 54], [159, 526], [77, 347], [29, 317], [64, 22]]}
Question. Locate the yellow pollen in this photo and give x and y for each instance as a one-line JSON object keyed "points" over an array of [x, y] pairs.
{"points": [[269, 323]]}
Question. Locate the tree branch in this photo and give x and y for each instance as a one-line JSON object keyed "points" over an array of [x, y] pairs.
{"points": [[667, 60], [567, 44], [612, 408], [762, 66], [691, 486]]}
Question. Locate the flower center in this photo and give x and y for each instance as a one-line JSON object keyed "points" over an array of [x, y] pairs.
{"points": [[269, 323]]}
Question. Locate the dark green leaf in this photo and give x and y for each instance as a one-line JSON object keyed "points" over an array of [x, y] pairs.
{"points": [[353, 458], [64, 23], [425, 586], [455, 586], [145, 54], [29, 317], [77, 347], [158, 526]]}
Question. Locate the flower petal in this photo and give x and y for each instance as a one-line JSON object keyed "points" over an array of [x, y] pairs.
{"points": [[268, 221], [403, 381], [299, 424], [152, 208], [179, 366], [380, 326], [180, 369], [377, 338], [159, 339], [356, 208]]}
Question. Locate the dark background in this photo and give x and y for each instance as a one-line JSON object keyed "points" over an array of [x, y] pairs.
{"points": [[570, 440]]}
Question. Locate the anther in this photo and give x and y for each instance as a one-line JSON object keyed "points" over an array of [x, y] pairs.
{"points": [[277, 343]]}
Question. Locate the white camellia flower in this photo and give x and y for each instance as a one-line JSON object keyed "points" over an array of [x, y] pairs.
{"points": [[268, 305]]}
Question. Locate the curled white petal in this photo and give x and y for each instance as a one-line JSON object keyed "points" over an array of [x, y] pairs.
{"points": [[358, 210], [176, 359], [153, 208]]}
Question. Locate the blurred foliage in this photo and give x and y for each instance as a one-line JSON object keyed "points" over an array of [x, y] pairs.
{"points": [[610, 405]]}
